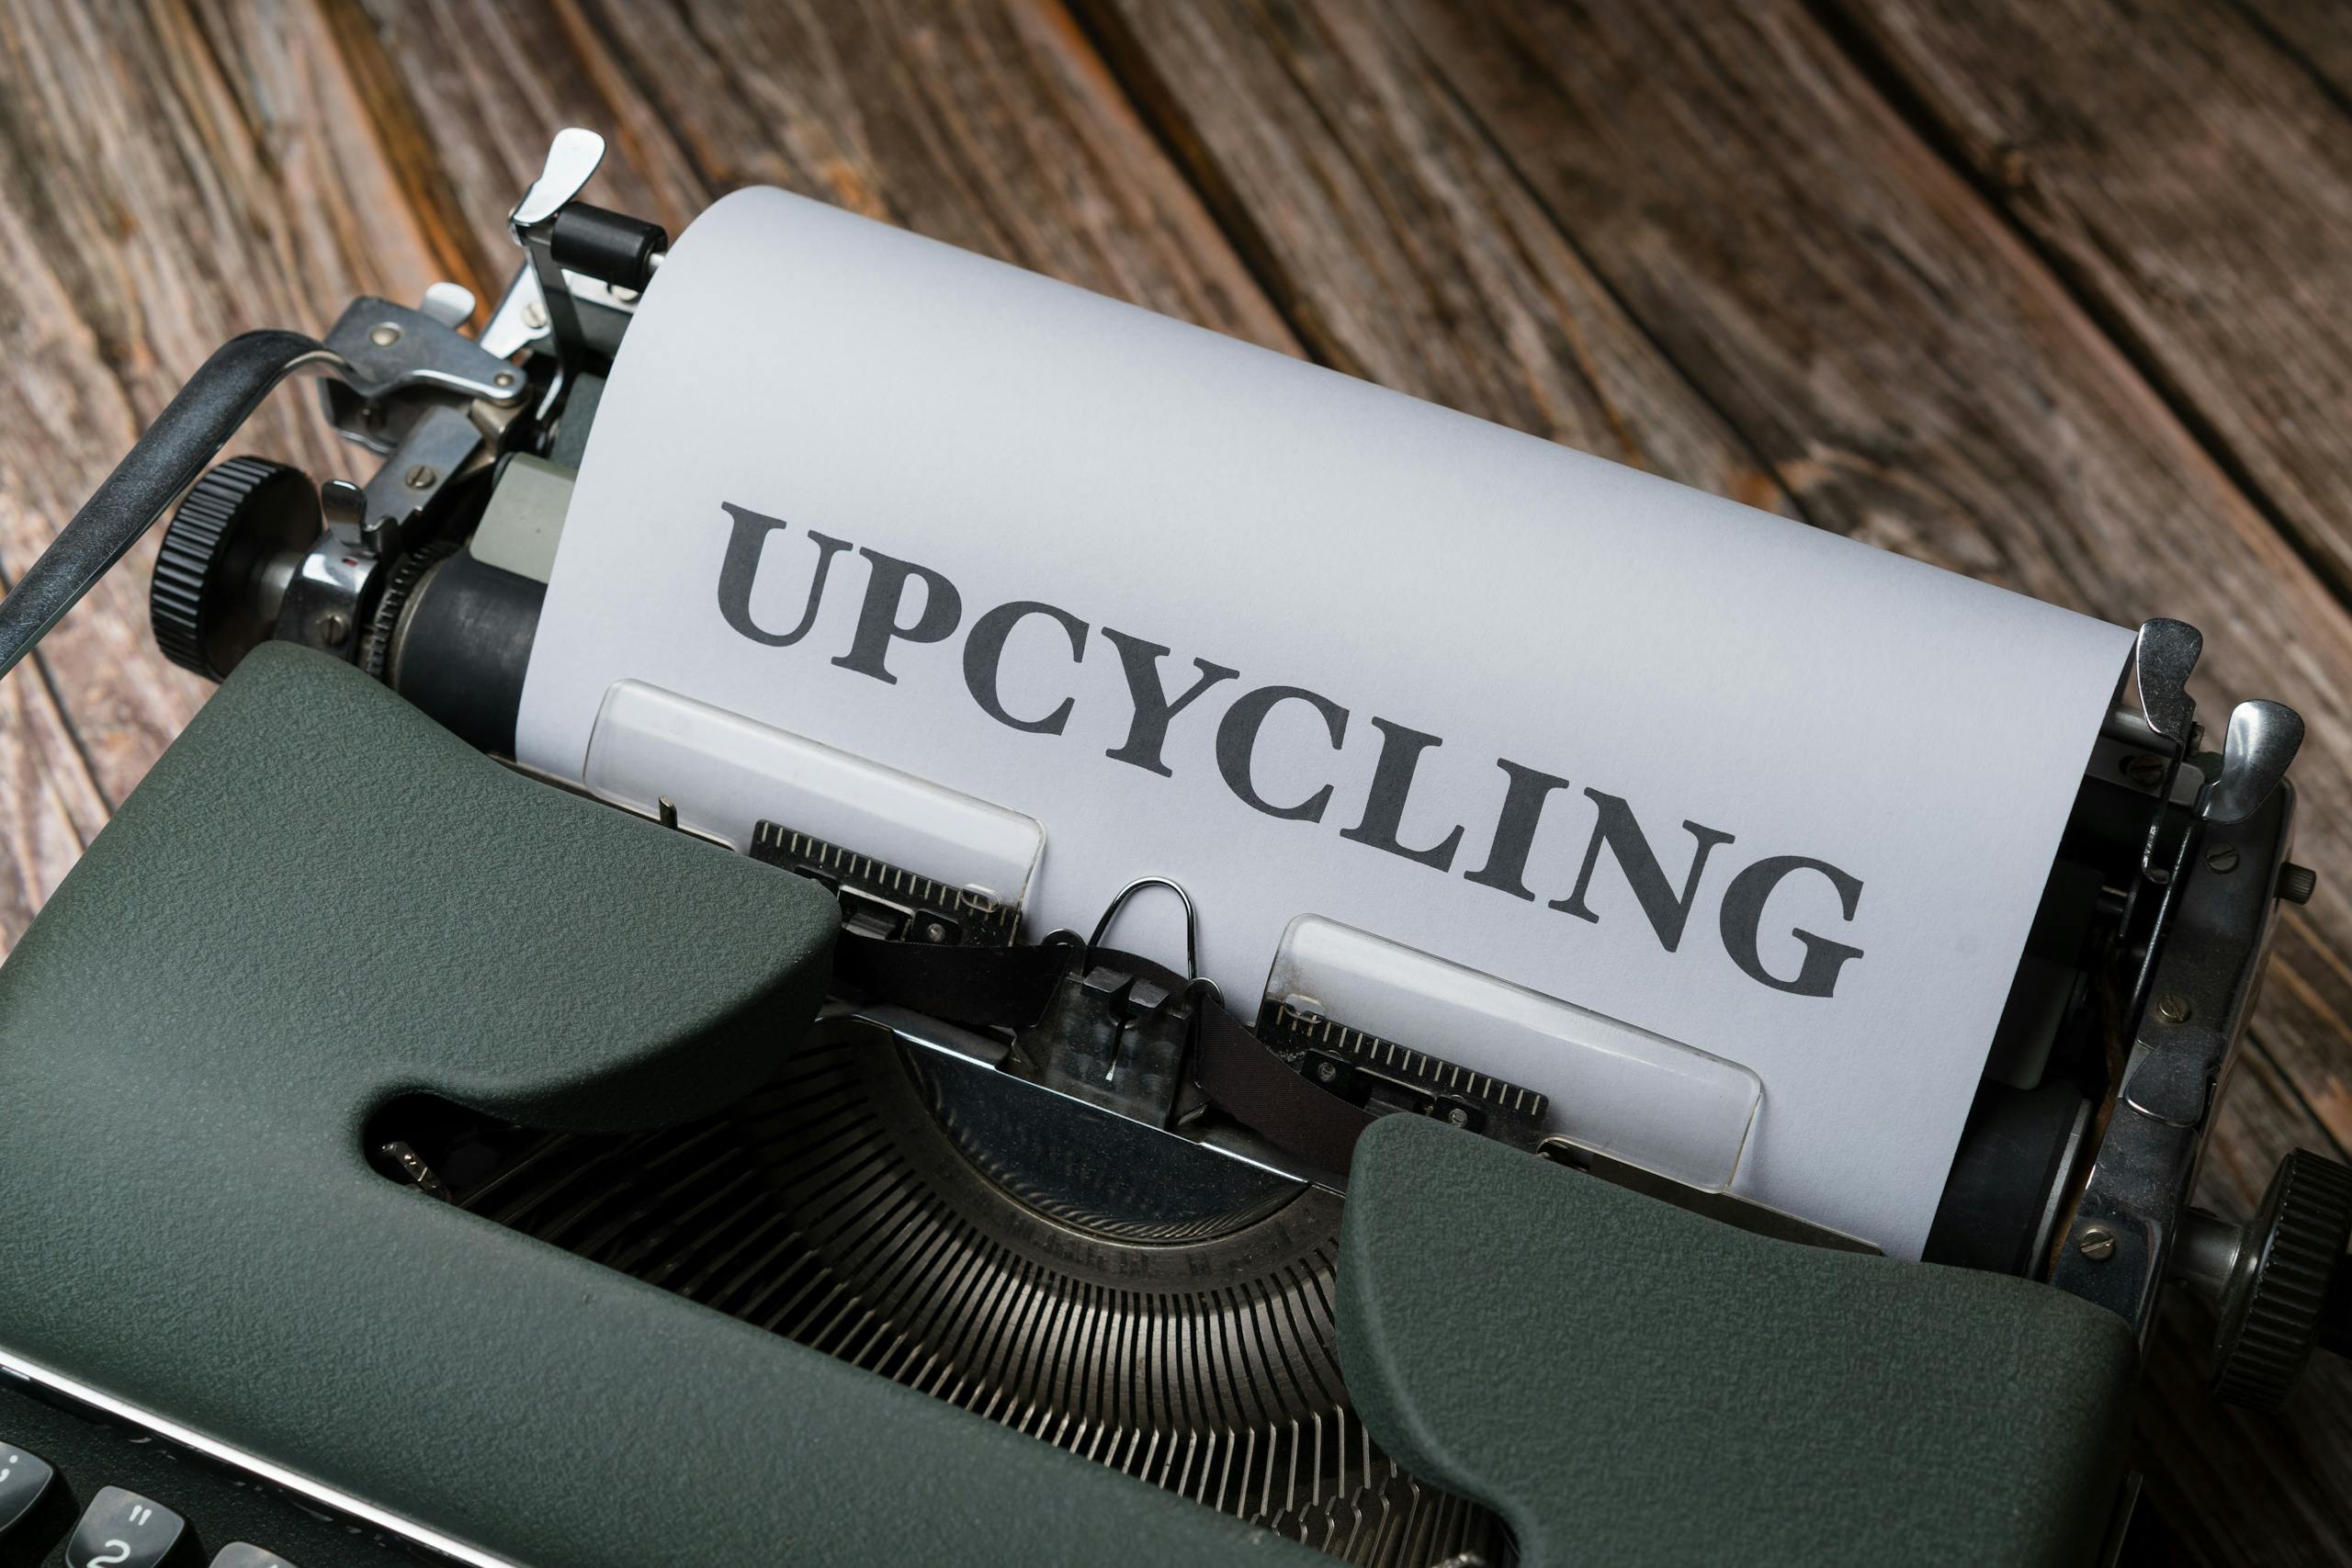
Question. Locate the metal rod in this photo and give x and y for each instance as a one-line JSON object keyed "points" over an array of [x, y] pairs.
{"points": [[169, 457]]}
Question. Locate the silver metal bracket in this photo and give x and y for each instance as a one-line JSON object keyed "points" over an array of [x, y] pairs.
{"points": [[2116, 1247], [415, 351], [2162, 661], [572, 159]]}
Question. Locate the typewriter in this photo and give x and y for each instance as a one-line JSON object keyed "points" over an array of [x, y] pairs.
{"points": [[405, 1156]]}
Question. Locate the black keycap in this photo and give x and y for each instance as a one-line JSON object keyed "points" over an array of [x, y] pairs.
{"points": [[122, 1529], [246, 1554], [23, 1478]]}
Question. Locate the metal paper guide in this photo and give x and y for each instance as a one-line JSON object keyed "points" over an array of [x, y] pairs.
{"points": [[1718, 835]]}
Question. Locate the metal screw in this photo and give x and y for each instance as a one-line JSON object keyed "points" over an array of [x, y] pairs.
{"points": [[934, 931], [1458, 1116], [2173, 1008], [421, 478], [2097, 1245], [333, 628], [384, 335], [412, 1168], [2143, 771], [1327, 1071], [503, 380], [2222, 858], [534, 316]]}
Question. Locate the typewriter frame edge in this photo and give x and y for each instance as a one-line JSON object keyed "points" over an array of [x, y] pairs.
{"points": [[2114, 1247], [94, 1403]]}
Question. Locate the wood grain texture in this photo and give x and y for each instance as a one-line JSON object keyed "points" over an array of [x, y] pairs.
{"points": [[1786, 253], [1399, 242], [990, 125], [2193, 182], [166, 180], [2317, 34]]}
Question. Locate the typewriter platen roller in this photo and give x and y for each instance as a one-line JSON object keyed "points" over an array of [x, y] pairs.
{"points": [[1055, 1184]]}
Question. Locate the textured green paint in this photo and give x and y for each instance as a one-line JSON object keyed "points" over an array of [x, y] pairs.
{"points": [[1629, 1384], [318, 899]]}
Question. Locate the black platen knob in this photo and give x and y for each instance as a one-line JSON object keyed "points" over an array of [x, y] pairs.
{"points": [[608, 246], [2282, 1297], [215, 594]]}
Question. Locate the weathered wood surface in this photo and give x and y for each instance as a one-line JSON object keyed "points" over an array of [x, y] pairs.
{"points": [[2316, 32], [2049, 294], [2182, 174]]}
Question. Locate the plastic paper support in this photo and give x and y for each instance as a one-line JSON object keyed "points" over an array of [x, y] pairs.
{"points": [[726, 774], [1615, 1089]]}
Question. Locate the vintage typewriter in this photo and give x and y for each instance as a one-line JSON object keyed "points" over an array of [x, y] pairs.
{"points": [[866, 1226]]}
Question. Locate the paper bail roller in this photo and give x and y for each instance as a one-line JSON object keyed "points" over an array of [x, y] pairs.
{"points": [[906, 844], [1616, 1090]]}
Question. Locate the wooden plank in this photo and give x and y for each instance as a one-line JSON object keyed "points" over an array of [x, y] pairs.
{"points": [[2318, 33], [1399, 242], [2193, 182], [467, 93], [43, 374], [2305, 1013], [1908, 371], [161, 187], [990, 125]]}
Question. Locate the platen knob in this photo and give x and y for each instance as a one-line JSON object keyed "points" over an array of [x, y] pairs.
{"points": [[225, 561], [2282, 1298]]}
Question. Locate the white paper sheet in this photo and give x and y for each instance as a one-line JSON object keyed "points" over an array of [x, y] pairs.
{"points": [[1416, 571]]}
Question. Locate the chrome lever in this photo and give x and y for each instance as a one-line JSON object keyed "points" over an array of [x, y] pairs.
{"points": [[2261, 745], [573, 158], [2162, 661]]}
